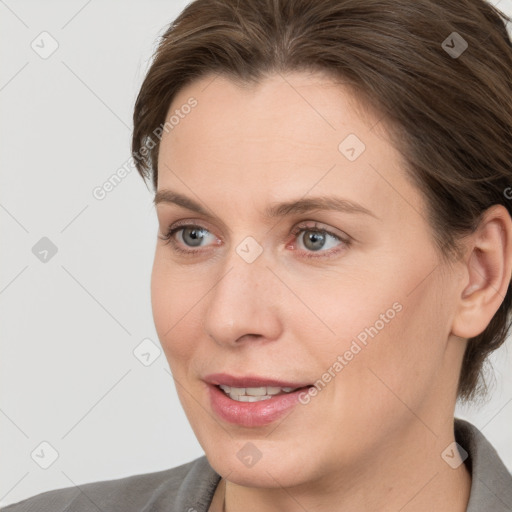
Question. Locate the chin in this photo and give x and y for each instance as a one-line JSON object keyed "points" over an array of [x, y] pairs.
{"points": [[273, 466]]}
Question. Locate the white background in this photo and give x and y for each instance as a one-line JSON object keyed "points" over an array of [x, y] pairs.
{"points": [[69, 326]]}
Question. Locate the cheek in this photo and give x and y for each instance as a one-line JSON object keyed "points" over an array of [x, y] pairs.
{"points": [[175, 303], [353, 310], [400, 359], [391, 327]]}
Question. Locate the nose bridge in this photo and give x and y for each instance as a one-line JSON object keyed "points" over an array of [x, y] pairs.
{"points": [[243, 300]]}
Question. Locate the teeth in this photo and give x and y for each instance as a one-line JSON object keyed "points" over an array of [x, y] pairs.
{"points": [[254, 394], [256, 391], [248, 398]]}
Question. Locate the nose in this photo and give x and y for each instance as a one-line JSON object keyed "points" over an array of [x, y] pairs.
{"points": [[244, 304]]}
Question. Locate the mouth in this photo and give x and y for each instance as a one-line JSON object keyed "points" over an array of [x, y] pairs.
{"points": [[252, 401]]}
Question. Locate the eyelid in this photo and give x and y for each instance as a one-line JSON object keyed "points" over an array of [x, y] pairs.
{"points": [[318, 226], [174, 226]]}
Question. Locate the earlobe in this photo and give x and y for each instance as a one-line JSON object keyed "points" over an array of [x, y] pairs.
{"points": [[489, 268]]}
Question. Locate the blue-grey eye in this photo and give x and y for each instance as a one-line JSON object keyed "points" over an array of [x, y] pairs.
{"points": [[314, 240], [195, 235]]}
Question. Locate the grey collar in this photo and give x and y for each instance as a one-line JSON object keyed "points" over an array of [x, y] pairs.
{"points": [[491, 485]]}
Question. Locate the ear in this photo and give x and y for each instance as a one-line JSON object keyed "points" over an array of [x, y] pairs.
{"points": [[488, 267]]}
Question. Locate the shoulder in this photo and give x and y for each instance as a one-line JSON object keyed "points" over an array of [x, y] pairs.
{"points": [[191, 484], [491, 482]]}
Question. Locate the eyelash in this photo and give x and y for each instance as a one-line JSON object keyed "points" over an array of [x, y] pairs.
{"points": [[168, 238]]}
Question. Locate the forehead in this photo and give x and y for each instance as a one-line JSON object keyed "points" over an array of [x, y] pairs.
{"points": [[285, 135], [299, 106]]}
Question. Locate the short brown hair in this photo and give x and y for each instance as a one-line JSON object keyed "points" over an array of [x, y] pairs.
{"points": [[450, 116]]}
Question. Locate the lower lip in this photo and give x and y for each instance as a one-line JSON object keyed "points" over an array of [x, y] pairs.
{"points": [[252, 414]]}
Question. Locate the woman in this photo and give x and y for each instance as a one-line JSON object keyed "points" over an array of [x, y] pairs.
{"points": [[334, 255]]}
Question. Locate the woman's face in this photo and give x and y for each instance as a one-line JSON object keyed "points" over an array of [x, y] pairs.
{"points": [[346, 296]]}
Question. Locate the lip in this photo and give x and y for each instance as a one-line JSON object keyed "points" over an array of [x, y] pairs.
{"points": [[250, 381], [251, 414]]}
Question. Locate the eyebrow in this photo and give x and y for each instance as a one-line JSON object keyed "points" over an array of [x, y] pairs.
{"points": [[299, 206]]}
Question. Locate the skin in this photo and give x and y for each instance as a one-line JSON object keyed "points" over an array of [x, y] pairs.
{"points": [[372, 438]]}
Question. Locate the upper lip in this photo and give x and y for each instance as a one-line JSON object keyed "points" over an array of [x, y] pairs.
{"points": [[250, 381]]}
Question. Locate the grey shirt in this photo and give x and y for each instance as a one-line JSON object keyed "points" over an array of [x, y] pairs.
{"points": [[190, 487]]}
